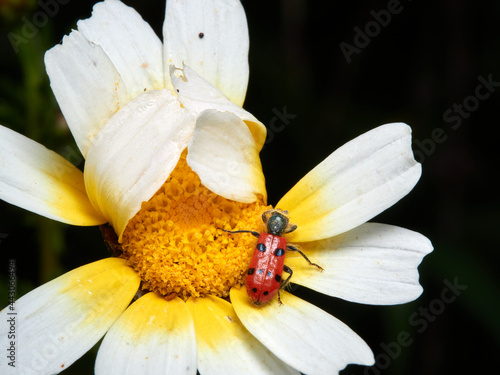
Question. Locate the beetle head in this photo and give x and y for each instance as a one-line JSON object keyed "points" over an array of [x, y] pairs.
{"points": [[276, 222]]}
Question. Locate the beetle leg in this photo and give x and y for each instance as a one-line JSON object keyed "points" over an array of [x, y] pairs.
{"points": [[279, 298], [285, 283], [290, 273], [293, 248], [290, 228], [253, 233]]}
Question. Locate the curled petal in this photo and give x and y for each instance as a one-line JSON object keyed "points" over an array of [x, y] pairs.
{"points": [[134, 154], [223, 153], [197, 95], [87, 86], [129, 42]]}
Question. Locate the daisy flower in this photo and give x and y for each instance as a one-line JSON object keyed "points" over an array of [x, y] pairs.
{"points": [[171, 159]]}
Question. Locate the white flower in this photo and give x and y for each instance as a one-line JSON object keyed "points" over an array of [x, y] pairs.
{"points": [[171, 157]]}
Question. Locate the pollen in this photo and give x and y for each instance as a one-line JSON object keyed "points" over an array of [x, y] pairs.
{"points": [[176, 244]]}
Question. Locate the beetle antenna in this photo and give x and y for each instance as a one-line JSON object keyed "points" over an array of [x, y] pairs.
{"points": [[253, 233]]}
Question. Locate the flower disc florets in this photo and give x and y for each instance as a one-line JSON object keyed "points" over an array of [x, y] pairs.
{"points": [[175, 244]]}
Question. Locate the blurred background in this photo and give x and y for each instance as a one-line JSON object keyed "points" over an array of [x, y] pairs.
{"points": [[322, 73]]}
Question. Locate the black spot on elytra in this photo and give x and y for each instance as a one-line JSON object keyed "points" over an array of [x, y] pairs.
{"points": [[251, 271], [279, 252], [261, 247]]}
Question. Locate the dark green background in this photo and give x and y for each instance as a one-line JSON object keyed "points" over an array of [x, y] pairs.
{"points": [[424, 62]]}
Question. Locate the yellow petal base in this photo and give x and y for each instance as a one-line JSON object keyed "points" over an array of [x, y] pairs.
{"points": [[175, 242]]}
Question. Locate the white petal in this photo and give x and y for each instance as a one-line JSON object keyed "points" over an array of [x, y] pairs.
{"points": [[374, 264], [87, 86], [355, 183], [130, 43], [134, 154], [301, 334], [223, 154], [61, 320], [225, 346], [153, 336], [212, 38], [197, 95], [41, 181]]}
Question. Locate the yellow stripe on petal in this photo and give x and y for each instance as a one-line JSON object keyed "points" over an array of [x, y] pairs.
{"points": [[355, 183], [259, 132], [301, 334], [61, 320], [41, 181], [153, 336], [374, 264], [216, 321], [225, 346]]}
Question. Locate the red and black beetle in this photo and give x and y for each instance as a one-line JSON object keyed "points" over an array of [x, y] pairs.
{"points": [[264, 275]]}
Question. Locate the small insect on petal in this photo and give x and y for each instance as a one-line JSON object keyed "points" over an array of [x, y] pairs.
{"points": [[267, 281]]}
